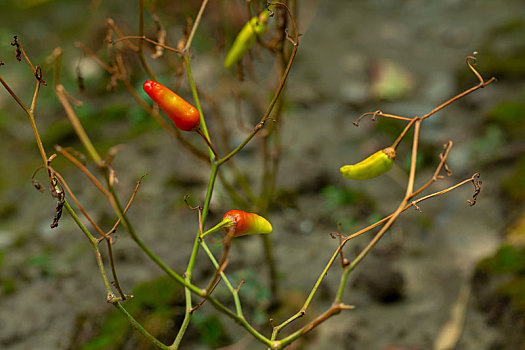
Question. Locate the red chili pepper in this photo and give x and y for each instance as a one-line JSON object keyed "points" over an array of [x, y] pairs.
{"points": [[184, 115], [243, 223]]}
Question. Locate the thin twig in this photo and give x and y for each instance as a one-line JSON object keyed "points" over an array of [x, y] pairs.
{"points": [[111, 23], [141, 43], [443, 157], [72, 195], [21, 52], [195, 25], [94, 56], [85, 170], [114, 228], [481, 84], [380, 114], [144, 38]]}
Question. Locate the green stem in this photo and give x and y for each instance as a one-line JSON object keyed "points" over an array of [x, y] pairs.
{"points": [[80, 225], [133, 234], [139, 327], [205, 210], [224, 223], [361, 256], [202, 123], [301, 312], [186, 281], [232, 290], [335, 309], [193, 256], [94, 243], [185, 322]]}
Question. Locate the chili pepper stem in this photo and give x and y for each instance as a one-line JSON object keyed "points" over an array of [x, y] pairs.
{"points": [[224, 223], [403, 133], [208, 142]]}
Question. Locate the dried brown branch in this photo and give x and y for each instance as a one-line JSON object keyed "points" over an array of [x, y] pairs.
{"points": [[443, 157], [482, 84], [114, 228], [21, 52], [378, 113], [111, 23], [148, 40], [84, 169]]}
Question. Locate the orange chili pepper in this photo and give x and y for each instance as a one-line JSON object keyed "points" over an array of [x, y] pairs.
{"points": [[243, 223], [184, 115]]}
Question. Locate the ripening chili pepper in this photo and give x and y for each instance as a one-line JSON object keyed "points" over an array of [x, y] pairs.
{"points": [[247, 37], [373, 166], [184, 115], [243, 223]]}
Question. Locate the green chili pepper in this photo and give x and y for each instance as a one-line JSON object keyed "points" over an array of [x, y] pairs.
{"points": [[247, 37], [373, 166]]}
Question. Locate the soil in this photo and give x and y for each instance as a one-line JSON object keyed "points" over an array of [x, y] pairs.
{"points": [[404, 293]]}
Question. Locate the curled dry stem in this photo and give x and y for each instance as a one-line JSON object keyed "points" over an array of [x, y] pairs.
{"points": [[477, 189], [21, 52], [470, 60], [474, 180], [482, 83], [197, 207], [378, 113], [38, 186]]}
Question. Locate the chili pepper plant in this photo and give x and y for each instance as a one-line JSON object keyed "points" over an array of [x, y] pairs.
{"points": [[270, 27]]}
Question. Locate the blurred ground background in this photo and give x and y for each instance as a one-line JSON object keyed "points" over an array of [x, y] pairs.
{"points": [[51, 295]]}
